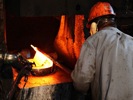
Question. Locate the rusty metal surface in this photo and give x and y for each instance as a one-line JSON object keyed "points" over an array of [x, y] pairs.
{"points": [[69, 39]]}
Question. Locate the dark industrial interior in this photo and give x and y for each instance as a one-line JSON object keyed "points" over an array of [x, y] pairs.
{"points": [[38, 22]]}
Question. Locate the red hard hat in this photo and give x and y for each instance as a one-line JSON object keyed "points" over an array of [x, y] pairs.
{"points": [[100, 9]]}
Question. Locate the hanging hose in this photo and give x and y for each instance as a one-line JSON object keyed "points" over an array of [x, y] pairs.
{"points": [[23, 73]]}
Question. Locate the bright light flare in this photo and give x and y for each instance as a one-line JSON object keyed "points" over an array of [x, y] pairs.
{"points": [[41, 60]]}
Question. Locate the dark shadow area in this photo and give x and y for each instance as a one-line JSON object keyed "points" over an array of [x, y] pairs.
{"points": [[24, 31]]}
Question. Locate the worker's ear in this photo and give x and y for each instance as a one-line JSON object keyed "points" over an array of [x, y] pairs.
{"points": [[93, 28]]}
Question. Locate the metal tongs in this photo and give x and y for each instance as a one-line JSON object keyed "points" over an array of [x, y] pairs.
{"points": [[25, 69]]}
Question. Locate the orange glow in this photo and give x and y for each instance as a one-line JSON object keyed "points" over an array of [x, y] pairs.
{"points": [[40, 60]]}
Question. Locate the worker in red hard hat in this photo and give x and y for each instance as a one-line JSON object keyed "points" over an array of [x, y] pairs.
{"points": [[101, 15], [105, 64]]}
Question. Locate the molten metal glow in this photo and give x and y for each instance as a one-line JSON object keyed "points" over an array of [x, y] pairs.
{"points": [[41, 60]]}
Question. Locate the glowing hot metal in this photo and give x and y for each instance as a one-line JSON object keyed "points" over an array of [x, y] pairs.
{"points": [[41, 60]]}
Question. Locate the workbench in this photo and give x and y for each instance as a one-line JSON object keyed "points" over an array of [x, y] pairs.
{"points": [[55, 86]]}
